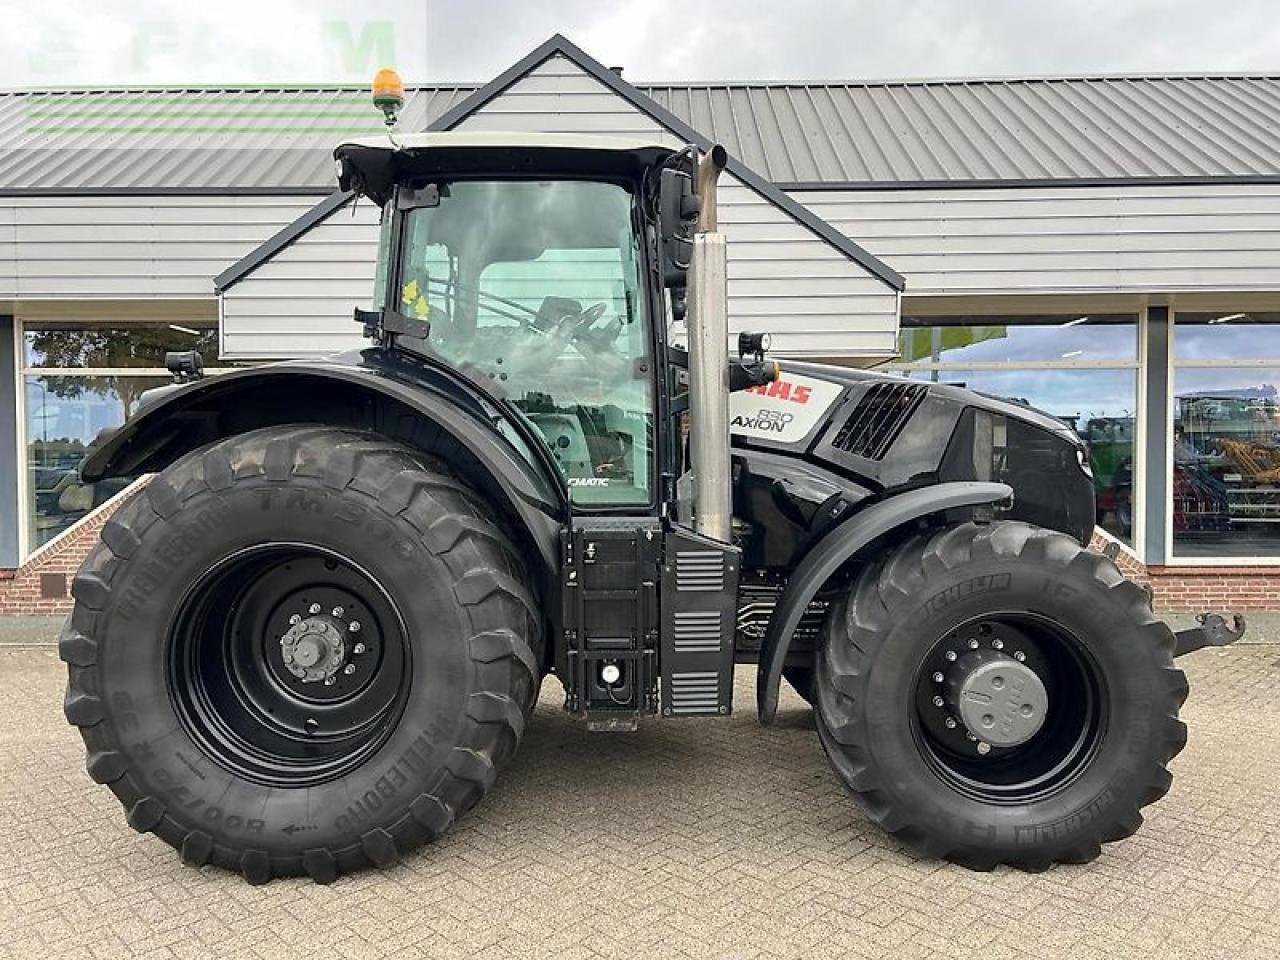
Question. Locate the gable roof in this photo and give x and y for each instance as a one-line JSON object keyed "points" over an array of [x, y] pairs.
{"points": [[561, 46]]}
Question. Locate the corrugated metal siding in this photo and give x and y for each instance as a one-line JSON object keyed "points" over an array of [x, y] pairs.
{"points": [[131, 247], [892, 132], [1042, 240], [190, 139], [300, 303], [781, 277], [1017, 129]]}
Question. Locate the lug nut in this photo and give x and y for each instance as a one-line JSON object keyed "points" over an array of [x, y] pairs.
{"points": [[349, 669], [314, 608], [354, 626], [358, 648], [997, 644], [295, 619], [287, 657], [973, 643], [951, 723], [983, 747], [330, 681], [970, 735], [937, 677], [951, 656], [1019, 656], [937, 701], [337, 611]]}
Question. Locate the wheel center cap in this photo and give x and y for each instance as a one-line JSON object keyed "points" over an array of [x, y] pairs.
{"points": [[313, 649], [1000, 700]]}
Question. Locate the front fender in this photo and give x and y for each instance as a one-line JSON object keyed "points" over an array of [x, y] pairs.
{"points": [[839, 547], [369, 391]]}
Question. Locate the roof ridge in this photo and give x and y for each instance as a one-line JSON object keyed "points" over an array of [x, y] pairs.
{"points": [[227, 88], [960, 81], [331, 87]]}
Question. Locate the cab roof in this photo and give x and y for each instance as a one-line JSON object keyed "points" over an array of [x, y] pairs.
{"points": [[371, 166], [463, 139]]}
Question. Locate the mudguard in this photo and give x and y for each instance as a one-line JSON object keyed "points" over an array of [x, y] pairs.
{"points": [[372, 390], [839, 547]]}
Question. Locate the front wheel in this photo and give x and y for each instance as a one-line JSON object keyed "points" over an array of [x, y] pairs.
{"points": [[995, 694], [301, 651]]}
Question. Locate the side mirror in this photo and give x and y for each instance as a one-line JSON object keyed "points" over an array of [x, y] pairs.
{"points": [[677, 220]]}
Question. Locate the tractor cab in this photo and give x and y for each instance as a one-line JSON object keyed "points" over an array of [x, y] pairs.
{"points": [[534, 278]]}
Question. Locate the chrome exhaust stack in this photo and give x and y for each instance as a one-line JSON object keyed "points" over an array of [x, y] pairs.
{"points": [[708, 325]]}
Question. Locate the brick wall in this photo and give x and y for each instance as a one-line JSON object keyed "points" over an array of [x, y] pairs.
{"points": [[1174, 589], [42, 585]]}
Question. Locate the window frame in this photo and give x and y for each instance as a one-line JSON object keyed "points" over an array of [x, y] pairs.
{"points": [[1172, 366], [1137, 365], [23, 371]]}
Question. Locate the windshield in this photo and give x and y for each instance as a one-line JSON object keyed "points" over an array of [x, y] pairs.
{"points": [[537, 285]]}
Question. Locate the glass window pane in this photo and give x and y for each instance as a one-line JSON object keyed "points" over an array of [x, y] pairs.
{"points": [[102, 345], [1098, 404], [1226, 335], [1226, 462], [537, 285], [964, 340], [63, 415]]}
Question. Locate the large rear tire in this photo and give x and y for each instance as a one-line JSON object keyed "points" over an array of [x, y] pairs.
{"points": [[301, 650], [904, 719]]}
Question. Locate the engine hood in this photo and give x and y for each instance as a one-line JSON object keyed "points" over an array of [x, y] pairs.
{"points": [[804, 411]]}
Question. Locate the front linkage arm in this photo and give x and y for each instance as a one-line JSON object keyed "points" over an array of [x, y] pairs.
{"points": [[1211, 630]]}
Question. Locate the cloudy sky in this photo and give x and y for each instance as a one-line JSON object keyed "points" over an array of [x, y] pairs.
{"points": [[247, 41]]}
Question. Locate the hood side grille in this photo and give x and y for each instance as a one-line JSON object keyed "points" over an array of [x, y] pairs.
{"points": [[878, 418]]}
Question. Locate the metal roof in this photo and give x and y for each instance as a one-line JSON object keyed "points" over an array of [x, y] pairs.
{"points": [[1178, 127], [267, 139], [898, 133]]}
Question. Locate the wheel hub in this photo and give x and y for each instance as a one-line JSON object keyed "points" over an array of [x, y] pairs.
{"points": [[1000, 700], [314, 649]]}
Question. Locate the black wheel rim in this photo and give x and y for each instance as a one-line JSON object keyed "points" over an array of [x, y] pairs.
{"points": [[288, 664], [1056, 755]]}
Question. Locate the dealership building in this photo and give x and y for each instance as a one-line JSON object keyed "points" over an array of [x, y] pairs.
{"points": [[1105, 248]]}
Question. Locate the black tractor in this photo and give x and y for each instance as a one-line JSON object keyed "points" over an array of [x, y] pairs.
{"points": [[315, 637]]}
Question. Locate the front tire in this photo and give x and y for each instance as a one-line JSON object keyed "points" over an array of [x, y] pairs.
{"points": [[301, 650], [903, 718]]}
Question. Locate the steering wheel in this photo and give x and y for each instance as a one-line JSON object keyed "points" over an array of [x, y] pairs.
{"points": [[581, 328]]}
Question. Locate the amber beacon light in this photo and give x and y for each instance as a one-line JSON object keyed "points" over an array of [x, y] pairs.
{"points": [[388, 94]]}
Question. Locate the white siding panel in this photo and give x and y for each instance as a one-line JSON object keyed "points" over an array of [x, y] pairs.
{"points": [[135, 248], [784, 280], [1066, 240], [299, 303], [557, 97]]}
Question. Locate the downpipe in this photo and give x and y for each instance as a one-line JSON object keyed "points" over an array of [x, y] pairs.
{"points": [[708, 325]]}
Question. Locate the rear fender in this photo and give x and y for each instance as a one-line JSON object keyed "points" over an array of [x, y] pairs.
{"points": [[842, 545], [413, 405]]}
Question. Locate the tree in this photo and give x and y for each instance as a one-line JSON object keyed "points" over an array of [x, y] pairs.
{"points": [[107, 348]]}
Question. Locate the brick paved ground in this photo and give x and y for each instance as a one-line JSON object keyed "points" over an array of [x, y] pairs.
{"points": [[702, 839]]}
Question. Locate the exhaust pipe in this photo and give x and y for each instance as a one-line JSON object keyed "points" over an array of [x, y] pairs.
{"points": [[708, 325]]}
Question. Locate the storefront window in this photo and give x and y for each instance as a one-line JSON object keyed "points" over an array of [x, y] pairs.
{"points": [[78, 381], [1226, 435], [1081, 369]]}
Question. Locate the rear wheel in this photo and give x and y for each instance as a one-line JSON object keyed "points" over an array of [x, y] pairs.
{"points": [[997, 694], [301, 651]]}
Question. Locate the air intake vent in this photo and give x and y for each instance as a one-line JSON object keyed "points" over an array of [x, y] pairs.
{"points": [[696, 631], [699, 570], [878, 418], [695, 693]]}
